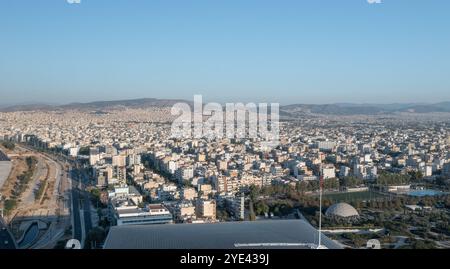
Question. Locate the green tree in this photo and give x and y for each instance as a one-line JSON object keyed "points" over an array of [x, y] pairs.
{"points": [[95, 237], [261, 207], [31, 162], [415, 176], [423, 244], [252, 215], [8, 145], [9, 205], [350, 182], [254, 192], [84, 151]]}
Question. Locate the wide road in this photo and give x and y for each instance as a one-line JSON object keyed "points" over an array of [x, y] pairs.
{"points": [[87, 212], [81, 205], [86, 203], [6, 239], [80, 199], [77, 232]]}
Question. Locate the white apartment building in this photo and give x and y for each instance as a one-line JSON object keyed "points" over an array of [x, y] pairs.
{"points": [[133, 215], [328, 172]]}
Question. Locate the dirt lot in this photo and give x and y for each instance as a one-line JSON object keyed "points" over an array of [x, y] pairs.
{"points": [[27, 198], [19, 166]]}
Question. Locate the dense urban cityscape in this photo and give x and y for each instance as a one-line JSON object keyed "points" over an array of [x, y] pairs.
{"points": [[76, 173]]}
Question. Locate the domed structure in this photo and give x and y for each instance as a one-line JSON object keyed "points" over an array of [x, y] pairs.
{"points": [[341, 210]]}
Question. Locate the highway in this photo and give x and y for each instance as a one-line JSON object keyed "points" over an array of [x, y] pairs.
{"points": [[87, 213], [81, 202], [86, 204], [76, 227]]}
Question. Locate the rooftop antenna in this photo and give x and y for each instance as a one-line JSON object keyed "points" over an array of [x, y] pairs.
{"points": [[319, 246]]}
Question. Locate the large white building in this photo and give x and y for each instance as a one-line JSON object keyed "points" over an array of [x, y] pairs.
{"points": [[297, 234], [73, 151], [326, 145], [328, 172], [133, 215]]}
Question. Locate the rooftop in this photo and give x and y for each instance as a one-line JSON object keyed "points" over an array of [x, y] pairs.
{"points": [[224, 235], [343, 210], [3, 157]]}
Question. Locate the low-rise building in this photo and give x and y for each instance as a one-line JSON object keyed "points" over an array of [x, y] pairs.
{"points": [[129, 214], [206, 209]]}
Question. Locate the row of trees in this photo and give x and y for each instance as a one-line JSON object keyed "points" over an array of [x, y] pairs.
{"points": [[420, 244], [282, 200], [279, 208], [95, 238], [39, 191], [285, 190], [393, 179], [96, 198], [84, 151], [350, 182], [314, 185], [8, 145], [222, 214], [20, 185]]}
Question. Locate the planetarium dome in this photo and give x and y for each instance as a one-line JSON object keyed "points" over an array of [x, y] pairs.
{"points": [[341, 210]]}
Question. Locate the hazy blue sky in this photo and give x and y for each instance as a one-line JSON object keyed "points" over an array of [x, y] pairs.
{"points": [[299, 51]]}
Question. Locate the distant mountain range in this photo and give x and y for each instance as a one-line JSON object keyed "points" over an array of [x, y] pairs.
{"points": [[98, 105], [288, 110], [366, 109]]}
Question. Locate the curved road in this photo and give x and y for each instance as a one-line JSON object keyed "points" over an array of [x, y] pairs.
{"points": [[79, 201], [6, 239]]}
